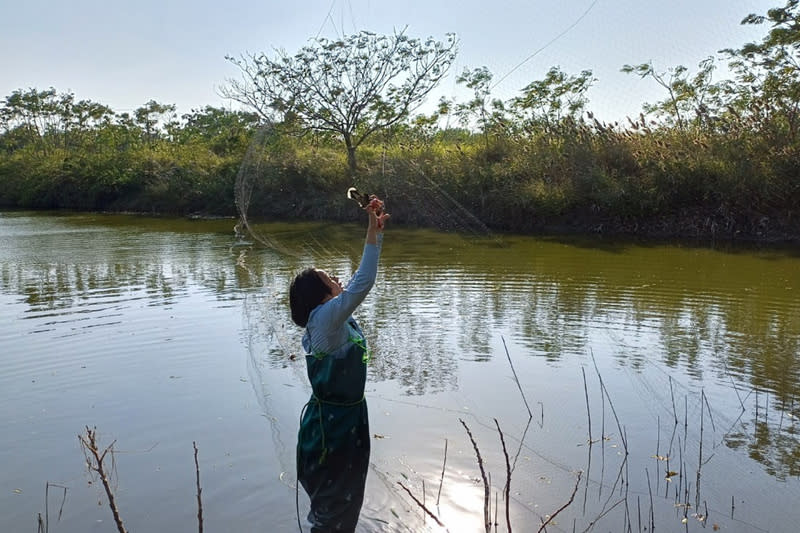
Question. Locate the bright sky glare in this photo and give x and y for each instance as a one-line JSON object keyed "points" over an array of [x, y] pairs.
{"points": [[173, 51]]}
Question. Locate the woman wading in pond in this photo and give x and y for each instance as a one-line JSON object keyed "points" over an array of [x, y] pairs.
{"points": [[333, 443]]}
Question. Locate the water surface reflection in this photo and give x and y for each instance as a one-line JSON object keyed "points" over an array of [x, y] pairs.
{"points": [[665, 324]]}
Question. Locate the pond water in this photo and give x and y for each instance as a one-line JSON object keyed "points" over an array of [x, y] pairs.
{"points": [[680, 362]]}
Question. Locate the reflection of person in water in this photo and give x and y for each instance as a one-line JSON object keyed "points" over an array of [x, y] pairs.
{"points": [[333, 442]]}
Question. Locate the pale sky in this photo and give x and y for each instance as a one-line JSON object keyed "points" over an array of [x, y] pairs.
{"points": [[173, 51]]}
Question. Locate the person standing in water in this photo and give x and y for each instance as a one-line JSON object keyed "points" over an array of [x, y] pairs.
{"points": [[333, 443]]}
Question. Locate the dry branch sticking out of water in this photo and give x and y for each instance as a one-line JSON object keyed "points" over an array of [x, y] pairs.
{"points": [[94, 461]]}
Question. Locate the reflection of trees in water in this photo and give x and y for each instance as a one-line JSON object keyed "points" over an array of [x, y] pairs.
{"points": [[765, 354], [160, 279], [408, 320], [737, 327], [682, 310], [754, 346], [770, 435], [552, 319], [63, 286]]}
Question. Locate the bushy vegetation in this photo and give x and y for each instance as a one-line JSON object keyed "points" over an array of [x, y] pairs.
{"points": [[712, 159]]}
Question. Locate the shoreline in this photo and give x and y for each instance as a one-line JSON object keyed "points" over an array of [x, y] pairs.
{"points": [[694, 229]]}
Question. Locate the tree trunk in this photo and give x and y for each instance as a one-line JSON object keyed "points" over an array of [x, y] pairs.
{"points": [[351, 159]]}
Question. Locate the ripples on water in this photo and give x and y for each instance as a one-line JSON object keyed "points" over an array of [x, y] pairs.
{"points": [[162, 332]]}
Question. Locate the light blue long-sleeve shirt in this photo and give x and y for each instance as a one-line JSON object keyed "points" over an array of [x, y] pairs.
{"points": [[327, 328]]}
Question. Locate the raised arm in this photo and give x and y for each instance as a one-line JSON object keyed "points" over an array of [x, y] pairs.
{"points": [[329, 317], [339, 309]]}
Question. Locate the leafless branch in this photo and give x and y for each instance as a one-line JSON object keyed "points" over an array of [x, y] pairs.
{"points": [[94, 461], [422, 505], [486, 518], [569, 502], [199, 490]]}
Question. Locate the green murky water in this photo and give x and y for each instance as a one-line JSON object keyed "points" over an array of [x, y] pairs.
{"points": [[165, 332]]}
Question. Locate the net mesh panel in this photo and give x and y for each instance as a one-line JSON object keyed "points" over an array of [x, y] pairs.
{"points": [[250, 178], [606, 475], [272, 340]]}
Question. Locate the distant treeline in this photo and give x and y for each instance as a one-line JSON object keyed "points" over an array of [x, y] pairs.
{"points": [[715, 159]]}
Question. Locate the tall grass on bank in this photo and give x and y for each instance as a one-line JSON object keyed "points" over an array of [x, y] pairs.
{"points": [[577, 175]]}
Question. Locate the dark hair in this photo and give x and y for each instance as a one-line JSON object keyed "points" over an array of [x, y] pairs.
{"points": [[305, 293]]}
